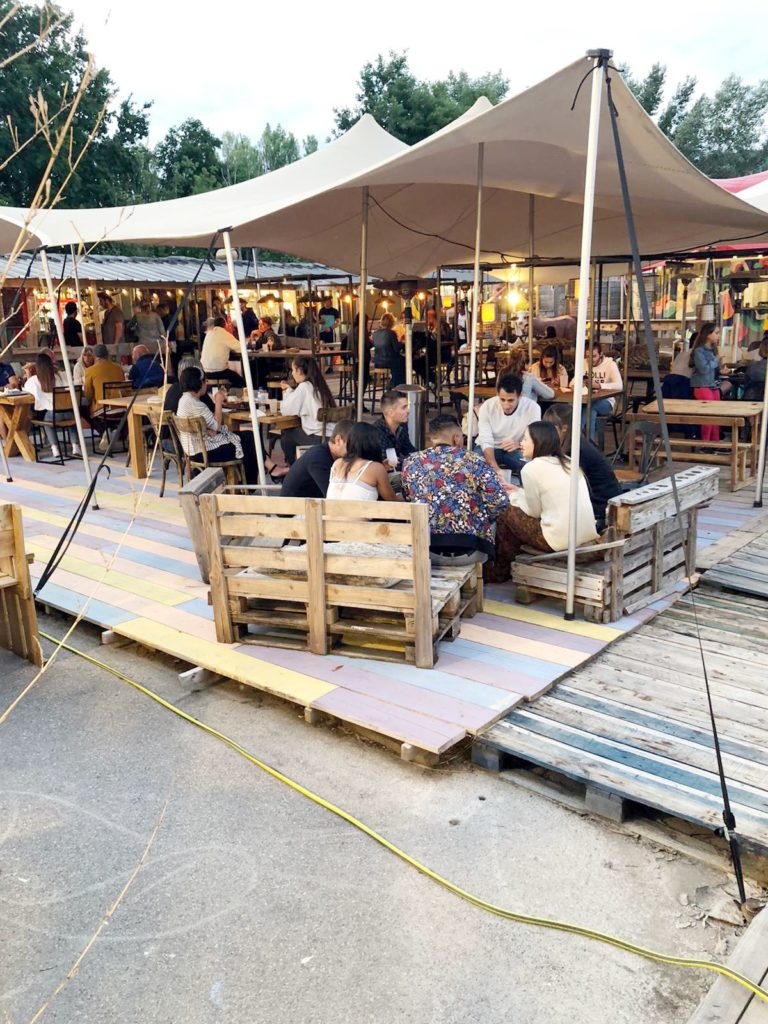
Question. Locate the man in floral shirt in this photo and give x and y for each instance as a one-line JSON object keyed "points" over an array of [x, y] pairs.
{"points": [[464, 495]]}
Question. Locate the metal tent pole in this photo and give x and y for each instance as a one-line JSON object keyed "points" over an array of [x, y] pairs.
{"points": [[761, 455], [76, 276], [439, 333], [597, 57], [244, 356], [475, 295], [55, 313], [362, 352], [531, 222], [625, 367]]}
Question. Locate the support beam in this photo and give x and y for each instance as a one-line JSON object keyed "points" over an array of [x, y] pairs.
{"points": [[531, 276], [362, 341], [475, 295]]}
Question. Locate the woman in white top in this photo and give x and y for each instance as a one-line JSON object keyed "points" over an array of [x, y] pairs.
{"points": [[549, 370], [360, 475], [41, 385], [304, 397], [538, 513], [86, 359]]}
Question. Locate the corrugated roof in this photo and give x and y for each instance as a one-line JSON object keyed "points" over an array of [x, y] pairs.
{"points": [[108, 269]]}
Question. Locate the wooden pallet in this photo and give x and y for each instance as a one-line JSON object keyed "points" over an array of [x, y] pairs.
{"points": [[633, 723], [746, 570]]}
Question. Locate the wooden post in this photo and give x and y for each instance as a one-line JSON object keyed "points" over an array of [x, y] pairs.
{"points": [[225, 631], [207, 482], [421, 587], [318, 642]]}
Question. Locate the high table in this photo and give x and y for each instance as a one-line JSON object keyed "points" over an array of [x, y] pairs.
{"points": [[139, 411], [16, 413], [732, 415]]}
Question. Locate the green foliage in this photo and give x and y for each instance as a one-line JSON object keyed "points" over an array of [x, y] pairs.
{"points": [[725, 135], [187, 160], [242, 159], [409, 109]]}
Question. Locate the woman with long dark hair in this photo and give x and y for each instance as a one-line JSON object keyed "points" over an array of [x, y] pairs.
{"points": [[538, 513], [550, 370], [41, 385], [705, 376], [304, 397], [360, 475]]}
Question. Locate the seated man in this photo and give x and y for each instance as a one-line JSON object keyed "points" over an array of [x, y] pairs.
{"points": [[308, 476], [501, 424], [218, 344], [463, 494], [396, 445], [147, 371]]}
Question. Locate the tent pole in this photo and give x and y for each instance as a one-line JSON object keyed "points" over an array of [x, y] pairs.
{"points": [[758, 503], [625, 367], [581, 323], [244, 356], [439, 331], [531, 221], [362, 353], [475, 296], [56, 314], [76, 275]]}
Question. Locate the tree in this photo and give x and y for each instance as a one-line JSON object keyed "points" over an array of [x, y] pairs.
{"points": [[240, 159], [37, 89], [188, 160], [725, 135], [409, 109]]}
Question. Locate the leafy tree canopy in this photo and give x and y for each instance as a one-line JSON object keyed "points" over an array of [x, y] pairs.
{"points": [[410, 109]]}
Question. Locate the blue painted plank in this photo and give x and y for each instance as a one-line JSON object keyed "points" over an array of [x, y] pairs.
{"points": [[506, 660], [663, 769], [68, 601], [197, 607]]}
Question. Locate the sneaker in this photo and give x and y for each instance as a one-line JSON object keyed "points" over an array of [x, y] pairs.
{"points": [[55, 453], [76, 453], [103, 443]]}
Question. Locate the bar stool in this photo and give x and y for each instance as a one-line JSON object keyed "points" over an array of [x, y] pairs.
{"points": [[346, 383], [378, 384]]}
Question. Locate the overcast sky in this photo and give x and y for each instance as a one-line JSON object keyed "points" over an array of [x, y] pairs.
{"points": [[237, 65]]}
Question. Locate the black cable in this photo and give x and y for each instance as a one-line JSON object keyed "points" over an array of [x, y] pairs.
{"points": [[430, 234], [728, 817], [77, 517]]}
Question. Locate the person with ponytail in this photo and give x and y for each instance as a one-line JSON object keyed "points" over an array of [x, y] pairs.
{"points": [[705, 377], [41, 385], [304, 396]]}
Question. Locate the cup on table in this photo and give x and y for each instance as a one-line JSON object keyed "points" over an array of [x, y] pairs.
{"points": [[392, 457], [274, 406]]}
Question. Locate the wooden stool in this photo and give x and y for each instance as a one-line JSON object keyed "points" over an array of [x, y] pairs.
{"points": [[378, 384], [346, 383]]}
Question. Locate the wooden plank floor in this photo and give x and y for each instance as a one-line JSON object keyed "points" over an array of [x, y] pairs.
{"points": [[150, 591], [744, 570]]}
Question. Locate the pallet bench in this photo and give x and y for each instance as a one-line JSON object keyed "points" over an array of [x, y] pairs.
{"points": [[307, 593], [645, 550], [18, 618]]}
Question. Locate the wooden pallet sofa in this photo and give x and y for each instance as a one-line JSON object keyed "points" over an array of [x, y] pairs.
{"points": [[18, 618], [645, 550], [317, 589]]}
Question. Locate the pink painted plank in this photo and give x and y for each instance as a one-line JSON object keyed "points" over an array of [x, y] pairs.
{"points": [[439, 706], [529, 687], [404, 726]]}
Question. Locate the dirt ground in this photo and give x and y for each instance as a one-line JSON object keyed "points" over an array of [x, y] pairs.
{"points": [[254, 906]]}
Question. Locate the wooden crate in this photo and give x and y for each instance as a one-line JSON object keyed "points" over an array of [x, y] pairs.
{"points": [[18, 618], [646, 550], [310, 597]]}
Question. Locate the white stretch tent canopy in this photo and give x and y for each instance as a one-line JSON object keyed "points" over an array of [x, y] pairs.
{"points": [[423, 198], [756, 195]]}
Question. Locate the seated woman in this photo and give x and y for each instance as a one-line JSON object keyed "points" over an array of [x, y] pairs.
{"points": [[755, 388], [388, 350], [360, 475], [533, 386], [550, 370], [538, 512], [41, 385], [601, 479], [308, 393], [220, 443]]}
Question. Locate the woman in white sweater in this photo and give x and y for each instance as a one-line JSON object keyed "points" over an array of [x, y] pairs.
{"points": [[538, 513], [304, 397]]}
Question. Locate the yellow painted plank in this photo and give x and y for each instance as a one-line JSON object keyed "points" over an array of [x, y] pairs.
{"points": [[113, 578], [522, 613], [521, 645], [113, 536], [221, 658]]}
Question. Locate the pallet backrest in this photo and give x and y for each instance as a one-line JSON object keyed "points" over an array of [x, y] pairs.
{"points": [[18, 618], [653, 503], [229, 521]]}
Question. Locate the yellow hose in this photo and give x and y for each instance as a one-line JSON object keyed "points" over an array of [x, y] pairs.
{"points": [[477, 901]]}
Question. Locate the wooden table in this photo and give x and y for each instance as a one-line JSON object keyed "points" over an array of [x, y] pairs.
{"points": [[732, 415], [140, 409], [16, 413]]}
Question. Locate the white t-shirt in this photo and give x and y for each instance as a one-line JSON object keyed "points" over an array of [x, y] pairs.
{"points": [[303, 401], [606, 376], [217, 346], [494, 427], [545, 495], [681, 365], [44, 399]]}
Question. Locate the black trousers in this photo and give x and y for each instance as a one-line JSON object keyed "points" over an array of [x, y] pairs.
{"points": [[291, 439], [227, 453]]}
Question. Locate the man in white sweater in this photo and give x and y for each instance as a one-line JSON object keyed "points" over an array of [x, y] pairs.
{"points": [[218, 347], [501, 424]]}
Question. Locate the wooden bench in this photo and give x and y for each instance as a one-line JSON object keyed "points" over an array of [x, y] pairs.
{"points": [[645, 550], [18, 618], [304, 594]]}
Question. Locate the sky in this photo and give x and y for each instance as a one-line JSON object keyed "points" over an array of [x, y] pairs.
{"points": [[237, 65]]}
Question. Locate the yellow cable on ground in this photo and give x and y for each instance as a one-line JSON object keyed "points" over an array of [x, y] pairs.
{"points": [[491, 908]]}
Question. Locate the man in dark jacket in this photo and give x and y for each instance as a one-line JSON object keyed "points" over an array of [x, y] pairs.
{"points": [[308, 476], [393, 429]]}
